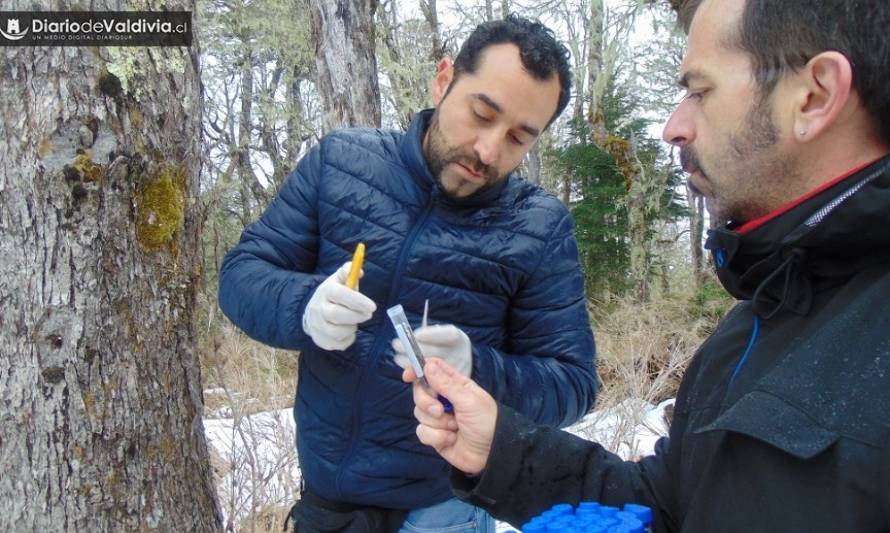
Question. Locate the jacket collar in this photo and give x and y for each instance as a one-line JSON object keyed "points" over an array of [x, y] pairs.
{"points": [[813, 244], [411, 151]]}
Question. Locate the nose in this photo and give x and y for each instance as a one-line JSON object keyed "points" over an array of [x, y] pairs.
{"points": [[486, 148], [679, 129]]}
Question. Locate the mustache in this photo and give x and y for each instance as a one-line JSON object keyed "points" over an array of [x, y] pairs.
{"points": [[473, 163], [689, 160]]}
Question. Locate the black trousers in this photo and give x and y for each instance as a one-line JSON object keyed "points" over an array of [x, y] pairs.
{"points": [[312, 514]]}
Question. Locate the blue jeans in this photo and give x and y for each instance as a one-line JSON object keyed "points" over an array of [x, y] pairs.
{"points": [[450, 516]]}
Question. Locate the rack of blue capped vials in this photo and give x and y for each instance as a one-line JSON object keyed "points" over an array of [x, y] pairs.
{"points": [[591, 517]]}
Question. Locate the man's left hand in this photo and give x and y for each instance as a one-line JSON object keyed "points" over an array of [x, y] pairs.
{"points": [[464, 437]]}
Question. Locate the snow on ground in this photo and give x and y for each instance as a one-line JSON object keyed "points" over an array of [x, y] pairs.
{"points": [[258, 464]]}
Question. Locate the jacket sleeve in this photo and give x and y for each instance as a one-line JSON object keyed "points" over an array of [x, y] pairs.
{"points": [[546, 371], [266, 280], [531, 468]]}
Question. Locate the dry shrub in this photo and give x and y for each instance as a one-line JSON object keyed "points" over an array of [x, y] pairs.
{"points": [[244, 376], [642, 352], [246, 387], [644, 348], [270, 518]]}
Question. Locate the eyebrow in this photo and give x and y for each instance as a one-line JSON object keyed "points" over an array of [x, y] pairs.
{"points": [[485, 99]]}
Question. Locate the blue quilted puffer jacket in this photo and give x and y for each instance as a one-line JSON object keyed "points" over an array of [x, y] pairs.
{"points": [[501, 265]]}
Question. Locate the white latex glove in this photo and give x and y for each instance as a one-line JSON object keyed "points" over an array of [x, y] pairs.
{"points": [[334, 312], [447, 342]]}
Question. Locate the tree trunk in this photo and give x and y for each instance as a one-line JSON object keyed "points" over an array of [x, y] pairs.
{"points": [[343, 31], [100, 386], [257, 198], [533, 161], [566, 190], [595, 64], [489, 11], [430, 13], [697, 225], [643, 208], [297, 133], [393, 65]]}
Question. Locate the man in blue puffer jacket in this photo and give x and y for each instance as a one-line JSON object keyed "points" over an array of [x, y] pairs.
{"points": [[444, 219]]}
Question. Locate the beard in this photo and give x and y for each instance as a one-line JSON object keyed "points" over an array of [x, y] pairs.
{"points": [[439, 154], [750, 173]]}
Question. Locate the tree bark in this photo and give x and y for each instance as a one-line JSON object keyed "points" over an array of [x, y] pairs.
{"points": [[489, 10], [100, 385], [430, 13], [246, 171], [343, 31], [392, 65], [595, 63], [533, 162], [696, 234]]}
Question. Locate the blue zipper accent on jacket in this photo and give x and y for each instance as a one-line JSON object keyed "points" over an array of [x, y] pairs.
{"points": [[375, 350], [755, 332]]}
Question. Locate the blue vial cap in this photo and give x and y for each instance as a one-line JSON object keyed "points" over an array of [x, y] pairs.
{"points": [[589, 505], [534, 527], [644, 514], [633, 526], [606, 510], [587, 513], [560, 525], [562, 508], [608, 521]]}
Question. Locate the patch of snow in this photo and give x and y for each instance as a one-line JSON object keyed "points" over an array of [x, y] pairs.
{"points": [[259, 460]]}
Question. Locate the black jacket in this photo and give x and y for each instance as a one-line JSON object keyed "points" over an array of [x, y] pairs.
{"points": [[782, 422]]}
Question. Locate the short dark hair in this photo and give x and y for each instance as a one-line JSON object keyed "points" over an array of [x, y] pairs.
{"points": [[541, 54], [782, 35]]}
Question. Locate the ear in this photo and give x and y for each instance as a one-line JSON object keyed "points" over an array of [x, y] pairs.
{"points": [[444, 75], [826, 88]]}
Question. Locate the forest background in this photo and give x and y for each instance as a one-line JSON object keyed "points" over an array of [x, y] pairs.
{"points": [[129, 172]]}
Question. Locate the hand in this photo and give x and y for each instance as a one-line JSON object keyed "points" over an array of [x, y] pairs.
{"points": [[446, 342], [462, 438], [334, 312]]}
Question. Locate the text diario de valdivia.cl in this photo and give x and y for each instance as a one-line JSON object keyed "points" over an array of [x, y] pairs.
{"points": [[106, 26]]}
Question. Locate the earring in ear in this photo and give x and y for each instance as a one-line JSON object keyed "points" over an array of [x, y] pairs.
{"points": [[803, 132]]}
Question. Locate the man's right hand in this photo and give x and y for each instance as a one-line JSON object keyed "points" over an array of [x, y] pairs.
{"points": [[334, 312], [464, 437]]}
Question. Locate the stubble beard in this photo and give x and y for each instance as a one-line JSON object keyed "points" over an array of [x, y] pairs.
{"points": [[438, 154], [761, 174]]}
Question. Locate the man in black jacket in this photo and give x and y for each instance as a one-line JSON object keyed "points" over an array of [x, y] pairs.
{"points": [[782, 422]]}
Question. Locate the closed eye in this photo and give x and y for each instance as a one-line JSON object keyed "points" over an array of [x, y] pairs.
{"points": [[481, 118]]}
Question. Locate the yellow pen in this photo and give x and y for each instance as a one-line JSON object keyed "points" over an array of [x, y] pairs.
{"points": [[358, 259]]}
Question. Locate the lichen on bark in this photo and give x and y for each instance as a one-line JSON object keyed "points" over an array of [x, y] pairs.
{"points": [[160, 207]]}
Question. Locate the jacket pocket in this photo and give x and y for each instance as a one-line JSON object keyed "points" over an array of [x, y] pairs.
{"points": [[771, 419]]}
